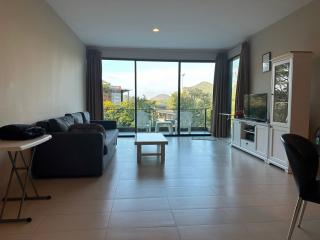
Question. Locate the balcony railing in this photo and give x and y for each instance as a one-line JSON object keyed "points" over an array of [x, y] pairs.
{"points": [[199, 120]]}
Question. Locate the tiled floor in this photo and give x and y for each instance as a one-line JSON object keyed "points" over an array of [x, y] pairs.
{"points": [[206, 190]]}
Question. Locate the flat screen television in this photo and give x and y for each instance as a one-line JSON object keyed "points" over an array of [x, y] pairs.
{"points": [[256, 107]]}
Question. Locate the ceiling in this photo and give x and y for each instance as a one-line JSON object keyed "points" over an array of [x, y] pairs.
{"points": [[184, 24]]}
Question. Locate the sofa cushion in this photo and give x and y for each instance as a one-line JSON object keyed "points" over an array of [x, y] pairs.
{"points": [[88, 127], [111, 136], [86, 117], [77, 117], [61, 124]]}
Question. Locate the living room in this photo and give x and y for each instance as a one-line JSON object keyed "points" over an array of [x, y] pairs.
{"points": [[107, 63]]}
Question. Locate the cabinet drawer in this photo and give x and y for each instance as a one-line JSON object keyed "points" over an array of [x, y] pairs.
{"points": [[248, 145]]}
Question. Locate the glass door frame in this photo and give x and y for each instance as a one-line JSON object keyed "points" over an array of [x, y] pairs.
{"points": [[135, 60], [230, 76]]}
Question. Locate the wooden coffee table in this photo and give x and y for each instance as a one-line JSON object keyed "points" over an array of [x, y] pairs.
{"points": [[151, 139]]}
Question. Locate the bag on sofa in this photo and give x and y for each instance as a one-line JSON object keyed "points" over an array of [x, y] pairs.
{"points": [[20, 132]]}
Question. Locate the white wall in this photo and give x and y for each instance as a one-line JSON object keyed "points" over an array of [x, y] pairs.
{"points": [[41, 66], [299, 31]]}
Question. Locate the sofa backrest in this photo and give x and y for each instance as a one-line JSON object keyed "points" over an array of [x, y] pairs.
{"points": [[80, 117], [61, 124]]}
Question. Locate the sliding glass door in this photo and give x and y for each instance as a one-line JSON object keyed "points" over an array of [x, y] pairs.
{"points": [[118, 78], [157, 96], [172, 97], [196, 97], [234, 67]]}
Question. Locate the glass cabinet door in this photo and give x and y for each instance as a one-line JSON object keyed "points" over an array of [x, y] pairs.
{"points": [[281, 93]]}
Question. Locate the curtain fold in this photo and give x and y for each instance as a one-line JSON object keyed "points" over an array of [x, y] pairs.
{"points": [[219, 123], [94, 84], [243, 77]]}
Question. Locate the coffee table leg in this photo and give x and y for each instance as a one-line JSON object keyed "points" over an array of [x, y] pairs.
{"points": [[138, 153], [163, 153]]}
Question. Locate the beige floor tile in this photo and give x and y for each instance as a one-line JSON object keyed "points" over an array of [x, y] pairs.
{"points": [[190, 191], [216, 232], [278, 231], [73, 222], [256, 214], [72, 235], [236, 189], [52, 207], [312, 211], [20, 228], [199, 217], [143, 192], [140, 204], [309, 228], [141, 219], [196, 202], [18, 237], [161, 233]]}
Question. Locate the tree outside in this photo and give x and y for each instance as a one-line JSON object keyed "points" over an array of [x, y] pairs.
{"points": [[196, 99]]}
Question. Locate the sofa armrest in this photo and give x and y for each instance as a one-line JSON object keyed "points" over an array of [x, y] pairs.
{"points": [[107, 124], [80, 154]]}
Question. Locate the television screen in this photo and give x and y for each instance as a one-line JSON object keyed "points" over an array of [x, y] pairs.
{"points": [[255, 106]]}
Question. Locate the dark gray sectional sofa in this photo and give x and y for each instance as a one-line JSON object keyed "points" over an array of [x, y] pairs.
{"points": [[74, 154]]}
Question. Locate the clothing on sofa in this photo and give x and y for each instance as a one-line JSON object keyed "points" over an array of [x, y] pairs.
{"points": [[20, 132]]}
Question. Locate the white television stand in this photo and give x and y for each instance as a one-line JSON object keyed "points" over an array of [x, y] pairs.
{"points": [[251, 137]]}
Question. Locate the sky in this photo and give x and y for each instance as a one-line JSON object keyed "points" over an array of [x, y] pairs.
{"points": [[154, 78]]}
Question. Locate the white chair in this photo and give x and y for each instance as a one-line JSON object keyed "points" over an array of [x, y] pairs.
{"points": [[186, 121], [143, 120]]}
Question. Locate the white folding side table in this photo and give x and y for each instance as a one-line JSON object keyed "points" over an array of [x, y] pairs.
{"points": [[15, 149]]}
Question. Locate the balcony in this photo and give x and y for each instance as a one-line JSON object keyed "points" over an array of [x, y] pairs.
{"points": [[192, 121]]}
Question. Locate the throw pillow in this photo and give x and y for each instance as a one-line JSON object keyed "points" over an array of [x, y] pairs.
{"points": [[77, 117], [61, 124], [86, 117]]}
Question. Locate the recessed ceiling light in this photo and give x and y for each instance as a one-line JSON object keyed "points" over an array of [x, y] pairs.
{"points": [[156, 30]]}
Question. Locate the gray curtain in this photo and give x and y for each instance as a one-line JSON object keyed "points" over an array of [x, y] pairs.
{"points": [[219, 126], [243, 77], [94, 84]]}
